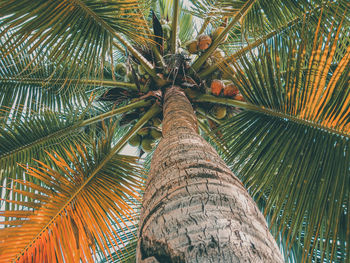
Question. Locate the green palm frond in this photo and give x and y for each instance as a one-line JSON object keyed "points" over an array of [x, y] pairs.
{"points": [[263, 16], [29, 138], [80, 30], [28, 85], [303, 173], [76, 207], [186, 27], [18, 99], [292, 149], [126, 253], [26, 139], [267, 17], [163, 9]]}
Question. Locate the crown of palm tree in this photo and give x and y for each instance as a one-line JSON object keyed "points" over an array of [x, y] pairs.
{"points": [[79, 79]]}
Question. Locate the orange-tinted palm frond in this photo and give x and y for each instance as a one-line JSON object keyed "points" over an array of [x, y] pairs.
{"points": [[319, 92], [78, 209], [310, 82]]}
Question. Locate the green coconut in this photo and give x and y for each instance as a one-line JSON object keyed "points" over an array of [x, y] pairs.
{"points": [[143, 132], [192, 46], [219, 112], [156, 122], [146, 144], [135, 140], [156, 134], [121, 69]]}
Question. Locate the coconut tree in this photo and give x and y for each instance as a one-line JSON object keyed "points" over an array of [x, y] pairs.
{"points": [[223, 100]]}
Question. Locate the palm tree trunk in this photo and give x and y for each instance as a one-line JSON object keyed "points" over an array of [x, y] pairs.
{"points": [[194, 208]]}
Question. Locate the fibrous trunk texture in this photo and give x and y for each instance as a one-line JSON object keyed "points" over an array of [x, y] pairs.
{"points": [[194, 208]]}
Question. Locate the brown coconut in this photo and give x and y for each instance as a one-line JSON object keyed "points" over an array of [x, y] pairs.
{"points": [[230, 90], [239, 97], [192, 46], [216, 87], [204, 42]]}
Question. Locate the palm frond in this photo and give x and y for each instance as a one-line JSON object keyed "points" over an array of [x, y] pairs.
{"points": [[28, 85], [314, 80], [264, 16], [77, 35], [128, 234], [19, 99], [76, 207], [22, 141], [239, 44], [301, 171], [186, 27], [298, 159], [29, 138]]}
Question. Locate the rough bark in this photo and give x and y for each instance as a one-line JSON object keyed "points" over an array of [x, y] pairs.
{"points": [[194, 208]]}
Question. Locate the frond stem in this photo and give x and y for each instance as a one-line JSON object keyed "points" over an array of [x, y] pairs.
{"points": [[261, 109], [174, 36], [70, 129], [204, 25], [97, 82]]}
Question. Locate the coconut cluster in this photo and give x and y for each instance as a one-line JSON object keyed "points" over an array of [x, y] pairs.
{"points": [[175, 71], [146, 137], [225, 89], [203, 41], [124, 72]]}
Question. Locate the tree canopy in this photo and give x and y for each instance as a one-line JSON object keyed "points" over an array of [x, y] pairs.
{"points": [[62, 175]]}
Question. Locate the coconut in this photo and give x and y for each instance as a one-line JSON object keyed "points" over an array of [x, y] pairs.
{"points": [[156, 122], [146, 144], [135, 140], [204, 42], [217, 32], [144, 131], [192, 46], [239, 97], [218, 55], [156, 134], [216, 87], [219, 112], [121, 69], [230, 90]]}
